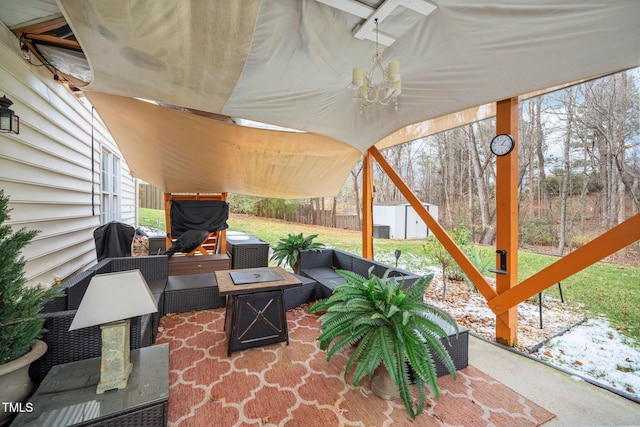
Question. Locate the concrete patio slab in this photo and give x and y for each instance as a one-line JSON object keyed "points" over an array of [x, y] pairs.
{"points": [[573, 401]]}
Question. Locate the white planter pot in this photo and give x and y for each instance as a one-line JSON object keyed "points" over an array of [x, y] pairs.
{"points": [[15, 380]]}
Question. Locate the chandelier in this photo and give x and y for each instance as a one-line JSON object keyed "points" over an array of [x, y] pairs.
{"points": [[379, 85]]}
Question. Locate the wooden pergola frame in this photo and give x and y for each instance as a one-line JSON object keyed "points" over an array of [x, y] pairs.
{"points": [[504, 300]]}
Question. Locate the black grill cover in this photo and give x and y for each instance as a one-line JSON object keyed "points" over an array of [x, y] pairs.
{"points": [[113, 240], [188, 241], [209, 215]]}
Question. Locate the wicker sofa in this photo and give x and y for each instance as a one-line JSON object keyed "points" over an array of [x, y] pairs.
{"points": [[69, 346], [321, 266]]}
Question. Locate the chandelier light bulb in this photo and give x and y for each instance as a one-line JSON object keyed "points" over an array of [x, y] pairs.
{"points": [[357, 77], [394, 70]]}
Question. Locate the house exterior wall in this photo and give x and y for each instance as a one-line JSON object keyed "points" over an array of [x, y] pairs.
{"points": [[51, 171]]}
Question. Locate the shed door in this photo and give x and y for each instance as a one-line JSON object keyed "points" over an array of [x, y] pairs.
{"points": [[415, 226]]}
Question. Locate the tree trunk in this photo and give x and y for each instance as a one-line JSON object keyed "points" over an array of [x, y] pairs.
{"points": [[355, 173], [478, 177], [470, 199], [532, 177], [585, 187], [566, 162], [545, 200], [489, 235]]}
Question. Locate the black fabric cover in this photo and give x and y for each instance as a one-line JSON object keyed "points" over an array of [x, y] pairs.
{"points": [[188, 241], [209, 215], [113, 240]]}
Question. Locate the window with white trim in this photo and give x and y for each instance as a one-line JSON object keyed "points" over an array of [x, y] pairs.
{"points": [[110, 186]]}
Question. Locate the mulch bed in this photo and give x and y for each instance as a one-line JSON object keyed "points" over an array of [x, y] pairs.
{"points": [[470, 310]]}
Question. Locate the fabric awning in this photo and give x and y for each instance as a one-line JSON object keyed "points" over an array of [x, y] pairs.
{"points": [[181, 152], [288, 63]]}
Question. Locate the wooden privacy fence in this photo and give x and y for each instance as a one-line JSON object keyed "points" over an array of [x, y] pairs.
{"points": [[150, 197], [324, 218]]}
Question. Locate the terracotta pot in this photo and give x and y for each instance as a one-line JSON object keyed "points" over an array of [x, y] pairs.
{"points": [[383, 386], [15, 380]]}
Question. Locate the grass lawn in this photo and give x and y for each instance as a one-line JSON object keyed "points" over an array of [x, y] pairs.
{"points": [[611, 290]]}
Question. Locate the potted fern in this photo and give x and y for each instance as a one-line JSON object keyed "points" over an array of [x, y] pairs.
{"points": [[287, 250], [20, 320], [390, 326]]}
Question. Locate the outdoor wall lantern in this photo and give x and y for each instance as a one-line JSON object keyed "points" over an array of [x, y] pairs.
{"points": [[111, 300], [9, 122]]}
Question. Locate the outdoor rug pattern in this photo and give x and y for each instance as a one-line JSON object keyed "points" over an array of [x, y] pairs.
{"points": [[293, 385]]}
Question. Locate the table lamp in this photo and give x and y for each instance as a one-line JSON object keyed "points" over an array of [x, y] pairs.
{"points": [[110, 301]]}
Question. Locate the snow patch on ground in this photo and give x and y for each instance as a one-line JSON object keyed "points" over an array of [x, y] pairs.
{"points": [[596, 350], [590, 348]]}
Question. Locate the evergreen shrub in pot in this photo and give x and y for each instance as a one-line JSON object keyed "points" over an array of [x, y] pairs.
{"points": [[20, 320]]}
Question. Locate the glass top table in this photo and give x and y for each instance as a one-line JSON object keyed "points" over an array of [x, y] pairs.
{"points": [[67, 395]]}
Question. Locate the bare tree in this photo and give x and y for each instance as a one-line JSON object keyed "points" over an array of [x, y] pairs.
{"points": [[606, 105], [355, 174], [544, 200], [478, 176], [569, 105]]}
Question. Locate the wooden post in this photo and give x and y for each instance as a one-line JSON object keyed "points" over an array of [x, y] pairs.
{"points": [[507, 218], [167, 219], [222, 235], [367, 206]]}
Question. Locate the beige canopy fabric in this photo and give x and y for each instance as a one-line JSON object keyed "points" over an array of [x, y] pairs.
{"points": [[182, 152], [289, 62]]}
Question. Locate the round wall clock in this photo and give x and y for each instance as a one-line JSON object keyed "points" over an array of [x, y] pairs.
{"points": [[502, 144]]}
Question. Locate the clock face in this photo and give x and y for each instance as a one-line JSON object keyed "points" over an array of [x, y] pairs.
{"points": [[502, 144]]}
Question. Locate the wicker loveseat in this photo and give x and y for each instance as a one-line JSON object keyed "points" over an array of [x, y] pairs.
{"points": [[69, 346]]}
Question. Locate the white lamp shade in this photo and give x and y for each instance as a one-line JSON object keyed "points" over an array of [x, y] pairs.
{"points": [[114, 296]]}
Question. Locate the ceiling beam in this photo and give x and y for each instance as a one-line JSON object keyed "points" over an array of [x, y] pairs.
{"points": [[367, 30], [353, 7], [53, 40], [42, 27]]}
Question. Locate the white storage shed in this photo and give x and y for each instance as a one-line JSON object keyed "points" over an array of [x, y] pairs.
{"points": [[399, 220]]}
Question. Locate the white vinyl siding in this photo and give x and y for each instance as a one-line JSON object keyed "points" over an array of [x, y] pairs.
{"points": [[51, 171], [110, 187]]}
